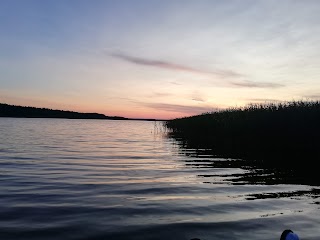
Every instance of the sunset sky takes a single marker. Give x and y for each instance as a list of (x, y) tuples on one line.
[(158, 58)]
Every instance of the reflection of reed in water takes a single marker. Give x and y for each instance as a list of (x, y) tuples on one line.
[(252, 172), (228, 171)]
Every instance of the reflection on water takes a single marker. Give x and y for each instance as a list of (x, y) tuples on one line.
[(259, 171), (93, 179), (242, 172)]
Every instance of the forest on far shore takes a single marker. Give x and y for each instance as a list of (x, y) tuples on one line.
[(7, 110)]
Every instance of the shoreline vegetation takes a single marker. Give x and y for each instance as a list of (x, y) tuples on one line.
[(15, 111), (272, 135)]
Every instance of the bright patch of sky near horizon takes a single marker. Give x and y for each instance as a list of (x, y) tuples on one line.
[(158, 59)]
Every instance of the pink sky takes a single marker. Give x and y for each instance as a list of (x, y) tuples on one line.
[(163, 60)]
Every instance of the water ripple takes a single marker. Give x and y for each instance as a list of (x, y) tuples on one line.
[(89, 179)]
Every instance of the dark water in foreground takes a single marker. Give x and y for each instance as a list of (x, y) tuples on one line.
[(95, 179)]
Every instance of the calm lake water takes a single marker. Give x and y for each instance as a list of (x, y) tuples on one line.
[(104, 179)]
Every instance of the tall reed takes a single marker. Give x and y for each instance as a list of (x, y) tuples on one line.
[(276, 134)]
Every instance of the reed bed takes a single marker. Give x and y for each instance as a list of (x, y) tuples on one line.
[(273, 134)]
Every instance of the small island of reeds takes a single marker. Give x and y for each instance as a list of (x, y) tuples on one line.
[(284, 135)]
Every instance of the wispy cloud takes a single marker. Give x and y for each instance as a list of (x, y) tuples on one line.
[(159, 95), (198, 97), (224, 74), (263, 100), (250, 84), (313, 96), (185, 109), (176, 83), (173, 66)]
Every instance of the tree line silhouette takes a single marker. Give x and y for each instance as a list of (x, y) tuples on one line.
[(7, 110)]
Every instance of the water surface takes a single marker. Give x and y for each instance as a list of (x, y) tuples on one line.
[(105, 179)]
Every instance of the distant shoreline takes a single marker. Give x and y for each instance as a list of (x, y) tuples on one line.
[(15, 111)]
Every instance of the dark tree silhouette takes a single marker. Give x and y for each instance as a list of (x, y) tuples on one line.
[(7, 110)]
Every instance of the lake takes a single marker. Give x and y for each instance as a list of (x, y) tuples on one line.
[(105, 179)]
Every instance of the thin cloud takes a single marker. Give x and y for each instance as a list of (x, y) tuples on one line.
[(313, 97), (175, 83), (160, 94), (185, 109), (264, 100), (173, 66), (198, 97), (178, 67), (250, 84)]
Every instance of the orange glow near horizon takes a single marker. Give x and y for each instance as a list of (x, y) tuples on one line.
[(141, 113), (132, 113)]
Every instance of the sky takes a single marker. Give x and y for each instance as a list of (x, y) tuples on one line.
[(158, 58)]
